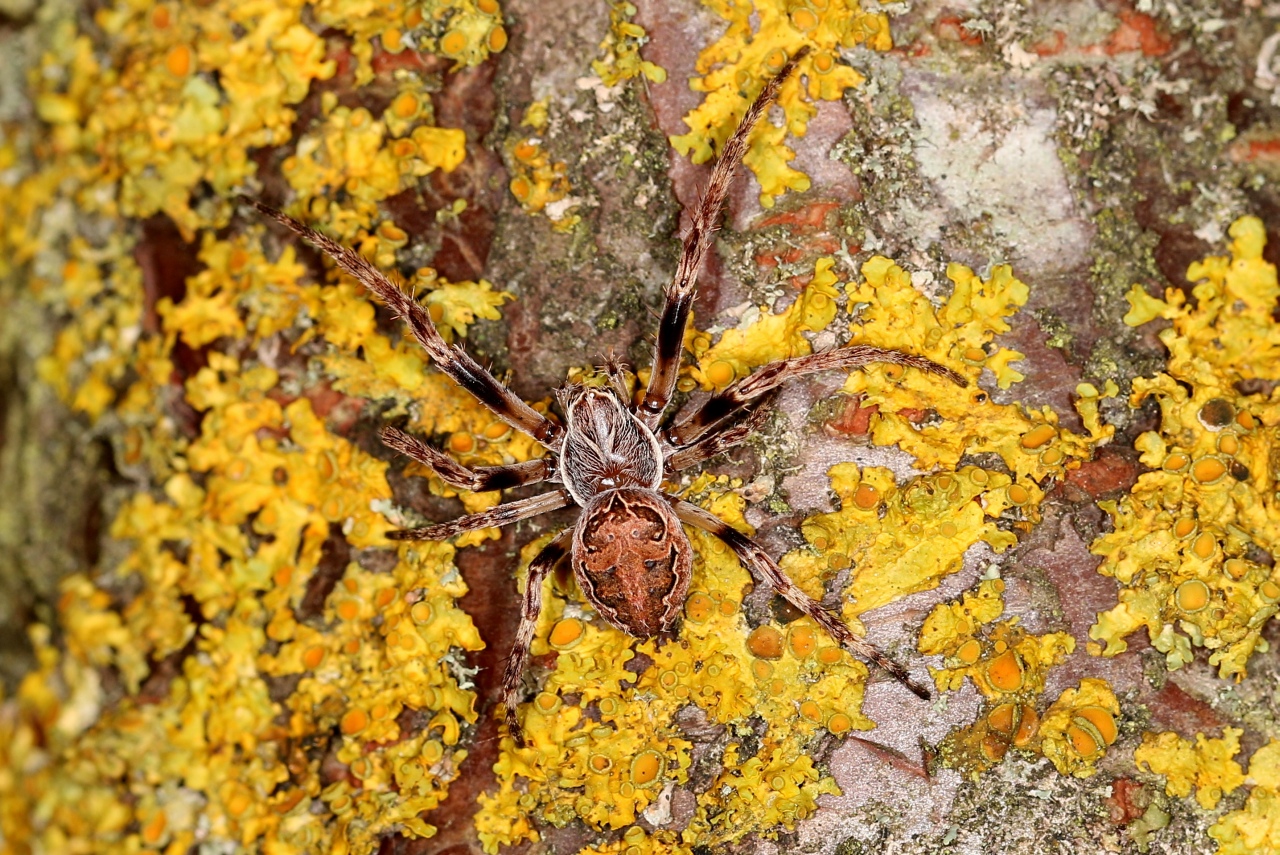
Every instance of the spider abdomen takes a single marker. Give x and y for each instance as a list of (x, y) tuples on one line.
[(632, 560)]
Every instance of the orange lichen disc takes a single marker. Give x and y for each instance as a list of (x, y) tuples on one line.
[(698, 607), (1102, 720), (354, 721), (839, 723), (1207, 470), (566, 633), (1005, 672), (765, 642), (1192, 595), (646, 767), (802, 640), (1038, 436), (866, 497), (969, 652), (720, 373)]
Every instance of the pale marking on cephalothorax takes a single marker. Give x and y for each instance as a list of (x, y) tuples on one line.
[(606, 446)]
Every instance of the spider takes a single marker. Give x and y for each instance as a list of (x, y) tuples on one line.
[(628, 550)]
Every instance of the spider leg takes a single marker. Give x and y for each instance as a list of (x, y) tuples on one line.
[(521, 509), (452, 360), (680, 293), (733, 399), (529, 609), (762, 566), (714, 442), (455, 474)]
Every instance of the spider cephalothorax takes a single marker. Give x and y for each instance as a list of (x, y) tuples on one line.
[(628, 550)]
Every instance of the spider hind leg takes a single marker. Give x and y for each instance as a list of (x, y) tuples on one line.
[(530, 607), (758, 562)]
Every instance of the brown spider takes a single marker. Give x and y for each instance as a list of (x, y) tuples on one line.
[(629, 554)]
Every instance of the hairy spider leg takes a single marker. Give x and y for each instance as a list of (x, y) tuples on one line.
[(451, 360), (530, 607), (680, 293), (504, 514), (456, 475), (729, 403), (714, 442), (758, 562)]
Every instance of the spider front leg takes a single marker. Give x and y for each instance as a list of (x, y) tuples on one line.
[(456, 475), (451, 360), (521, 509), (730, 402), (713, 443), (681, 291), (758, 562), (530, 607)]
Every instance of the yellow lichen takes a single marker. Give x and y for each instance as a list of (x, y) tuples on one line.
[(1186, 539), (1079, 726), (1006, 664), (1255, 827), (895, 538), (892, 313), (635, 841), (608, 767), (465, 31), (764, 337), (538, 183), (898, 540), (256, 711), (239, 672), (621, 48), (760, 37), (349, 152), (1009, 666), (1204, 765)]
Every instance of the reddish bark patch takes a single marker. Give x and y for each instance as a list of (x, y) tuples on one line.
[(1127, 802), (385, 63), (325, 400), (811, 248), (1051, 45), (951, 28), (1110, 471), (1174, 709), (1137, 32), (166, 261), (853, 418), (812, 236), (811, 216), (1263, 150), (493, 604)]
